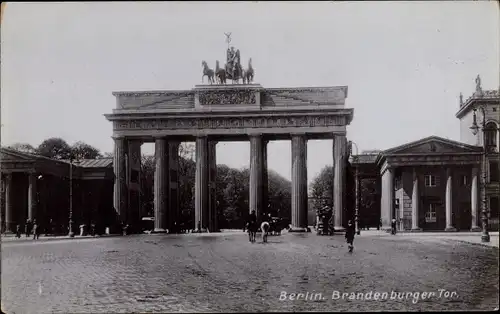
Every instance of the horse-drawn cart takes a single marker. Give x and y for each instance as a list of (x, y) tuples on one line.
[(324, 218)]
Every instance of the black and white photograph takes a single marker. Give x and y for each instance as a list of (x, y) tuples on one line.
[(247, 157)]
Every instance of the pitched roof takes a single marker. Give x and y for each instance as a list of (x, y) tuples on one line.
[(25, 155), (364, 158), (93, 163), (432, 140), (85, 163)]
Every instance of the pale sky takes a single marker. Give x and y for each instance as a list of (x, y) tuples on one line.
[(404, 63)]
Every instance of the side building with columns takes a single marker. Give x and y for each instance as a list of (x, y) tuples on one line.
[(440, 184), (36, 187)]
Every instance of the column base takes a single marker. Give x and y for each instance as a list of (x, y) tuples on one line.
[(299, 229), (475, 229), (450, 229), (416, 229), (338, 229), (485, 238), (386, 228), (159, 230), (200, 231)]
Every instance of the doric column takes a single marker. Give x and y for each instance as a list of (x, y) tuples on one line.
[(120, 187), (212, 178), (474, 200), (201, 184), (299, 182), (9, 214), (173, 185), (338, 180), (161, 185), (265, 177), (415, 201), (256, 164), (449, 201), (387, 198), (2, 197), (32, 201), (134, 181)]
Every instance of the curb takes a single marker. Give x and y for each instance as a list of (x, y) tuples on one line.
[(474, 243), (45, 239)]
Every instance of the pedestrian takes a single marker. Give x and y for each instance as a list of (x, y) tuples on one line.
[(393, 226), (252, 226), (27, 228), (36, 231), (18, 231), (349, 235)]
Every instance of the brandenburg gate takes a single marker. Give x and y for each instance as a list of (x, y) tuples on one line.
[(211, 113)]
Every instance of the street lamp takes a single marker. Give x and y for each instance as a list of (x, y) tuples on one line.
[(485, 237), (356, 192), (71, 161)]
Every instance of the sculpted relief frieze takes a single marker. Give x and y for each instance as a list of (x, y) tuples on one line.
[(227, 97), (229, 122)]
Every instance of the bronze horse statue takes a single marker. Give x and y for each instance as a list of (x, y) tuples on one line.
[(220, 74), (248, 74), (207, 72)]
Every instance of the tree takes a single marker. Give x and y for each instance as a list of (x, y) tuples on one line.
[(24, 148), (55, 147), (147, 183), (279, 195), (321, 190), (82, 150)]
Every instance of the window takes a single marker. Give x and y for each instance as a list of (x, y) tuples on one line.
[(490, 136), (464, 180), (430, 180), (494, 171), (494, 207), (430, 214)]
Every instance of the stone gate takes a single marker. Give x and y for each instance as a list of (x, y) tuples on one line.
[(208, 114)]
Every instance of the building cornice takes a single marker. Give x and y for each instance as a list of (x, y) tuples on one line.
[(489, 96)]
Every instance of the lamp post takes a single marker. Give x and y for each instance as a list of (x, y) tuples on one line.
[(485, 237), (356, 191), (71, 234)]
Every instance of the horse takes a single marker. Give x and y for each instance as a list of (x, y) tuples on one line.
[(248, 74), (207, 72), (252, 230), (220, 74), (265, 229)]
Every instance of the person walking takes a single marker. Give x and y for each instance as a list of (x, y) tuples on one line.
[(349, 235), (18, 231), (252, 226), (393, 226), (36, 230), (27, 228)]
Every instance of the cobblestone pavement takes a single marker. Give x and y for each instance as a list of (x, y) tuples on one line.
[(226, 273)]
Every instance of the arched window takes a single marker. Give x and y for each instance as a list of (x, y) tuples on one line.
[(490, 136)]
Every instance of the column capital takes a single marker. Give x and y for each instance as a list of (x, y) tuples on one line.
[(475, 171), (118, 137), (160, 138), (254, 134), (449, 172)]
